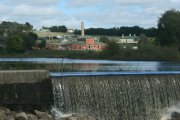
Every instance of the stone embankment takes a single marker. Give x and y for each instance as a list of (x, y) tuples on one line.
[(6, 114), (26, 90)]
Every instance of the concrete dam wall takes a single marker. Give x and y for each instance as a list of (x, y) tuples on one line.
[(124, 97), (107, 97), (26, 90)]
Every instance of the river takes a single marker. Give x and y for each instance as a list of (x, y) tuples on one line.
[(96, 67), (109, 90)]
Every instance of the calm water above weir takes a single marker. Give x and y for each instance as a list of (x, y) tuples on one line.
[(85, 67), (75, 65)]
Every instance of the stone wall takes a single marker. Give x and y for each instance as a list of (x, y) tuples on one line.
[(26, 90), (23, 76)]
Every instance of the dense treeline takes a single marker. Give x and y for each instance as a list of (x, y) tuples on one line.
[(169, 29), (15, 37), (62, 28), (116, 31)]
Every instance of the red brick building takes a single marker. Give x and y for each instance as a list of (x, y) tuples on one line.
[(84, 44)]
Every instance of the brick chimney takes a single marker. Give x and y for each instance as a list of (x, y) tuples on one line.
[(82, 29)]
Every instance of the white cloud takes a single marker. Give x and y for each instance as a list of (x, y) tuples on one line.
[(33, 2), (130, 2), (175, 0), (68, 21), (99, 13), (26, 10), (85, 3), (4, 9)]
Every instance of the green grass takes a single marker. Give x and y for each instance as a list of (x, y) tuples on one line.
[(54, 54), (50, 34), (53, 67), (151, 53)]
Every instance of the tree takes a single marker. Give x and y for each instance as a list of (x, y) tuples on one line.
[(169, 29), (58, 28), (119, 31), (62, 28), (15, 44), (42, 44), (112, 48), (77, 32), (13, 28), (104, 39), (53, 29), (30, 40), (143, 40), (29, 26)]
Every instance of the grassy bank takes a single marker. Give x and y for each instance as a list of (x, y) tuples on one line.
[(54, 54), (147, 53), (53, 67)]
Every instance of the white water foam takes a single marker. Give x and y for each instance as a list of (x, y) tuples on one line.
[(167, 112), (58, 114)]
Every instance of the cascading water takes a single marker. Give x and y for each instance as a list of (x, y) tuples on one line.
[(128, 97)]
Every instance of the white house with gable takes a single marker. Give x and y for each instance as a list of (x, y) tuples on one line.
[(131, 41)]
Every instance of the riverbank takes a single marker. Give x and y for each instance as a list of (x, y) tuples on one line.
[(142, 54), (7, 114), (53, 54)]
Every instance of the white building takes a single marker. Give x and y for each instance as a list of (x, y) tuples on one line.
[(131, 41), (70, 30)]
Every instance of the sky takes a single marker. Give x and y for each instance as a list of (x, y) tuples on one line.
[(94, 13)]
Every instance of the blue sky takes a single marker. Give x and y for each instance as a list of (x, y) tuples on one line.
[(95, 13)]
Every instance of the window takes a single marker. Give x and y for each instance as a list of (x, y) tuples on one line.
[(89, 47)]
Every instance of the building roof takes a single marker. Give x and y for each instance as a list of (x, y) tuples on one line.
[(50, 34), (130, 37), (75, 43), (81, 43), (54, 43), (129, 41)]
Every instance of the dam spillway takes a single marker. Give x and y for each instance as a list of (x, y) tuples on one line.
[(117, 97), (126, 96)]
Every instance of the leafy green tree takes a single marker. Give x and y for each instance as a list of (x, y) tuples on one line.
[(15, 44), (104, 39), (112, 48), (42, 44), (58, 28), (143, 40), (29, 26), (30, 40), (119, 31), (77, 32), (62, 28), (169, 29), (13, 28), (53, 29)]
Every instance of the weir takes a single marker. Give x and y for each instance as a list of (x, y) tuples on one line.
[(117, 97), (139, 96)]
